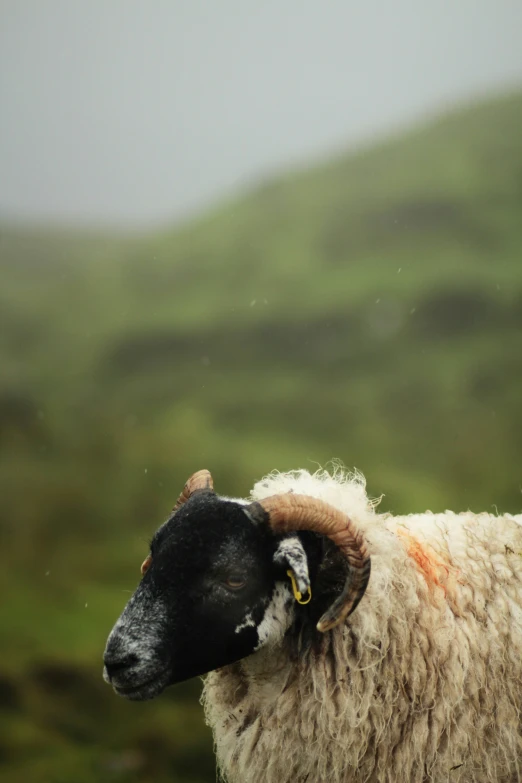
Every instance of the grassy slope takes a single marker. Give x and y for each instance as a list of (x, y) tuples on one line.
[(370, 310)]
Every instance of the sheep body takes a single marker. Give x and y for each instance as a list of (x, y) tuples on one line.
[(423, 682)]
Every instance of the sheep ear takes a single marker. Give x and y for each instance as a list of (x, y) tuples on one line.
[(290, 551)]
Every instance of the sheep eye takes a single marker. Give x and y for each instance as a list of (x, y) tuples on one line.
[(146, 565), (234, 582)]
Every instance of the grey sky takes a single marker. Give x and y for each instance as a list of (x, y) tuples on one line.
[(142, 111)]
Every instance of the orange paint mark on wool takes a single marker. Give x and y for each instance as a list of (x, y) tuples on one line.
[(427, 562)]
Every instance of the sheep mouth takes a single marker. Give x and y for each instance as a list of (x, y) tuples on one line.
[(144, 691)]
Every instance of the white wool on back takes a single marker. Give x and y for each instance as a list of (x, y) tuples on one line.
[(422, 683)]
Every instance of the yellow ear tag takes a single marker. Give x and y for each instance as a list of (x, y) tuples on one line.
[(297, 595)]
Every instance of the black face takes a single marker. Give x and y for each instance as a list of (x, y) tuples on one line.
[(202, 602)]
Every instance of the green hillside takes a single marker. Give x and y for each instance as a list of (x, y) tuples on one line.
[(367, 310)]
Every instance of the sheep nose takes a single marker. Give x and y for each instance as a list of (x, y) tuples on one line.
[(115, 664)]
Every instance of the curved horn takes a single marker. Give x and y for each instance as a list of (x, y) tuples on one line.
[(200, 480), (300, 512)]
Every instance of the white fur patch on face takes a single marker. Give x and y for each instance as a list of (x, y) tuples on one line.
[(247, 623), (291, 551), (278, 617)]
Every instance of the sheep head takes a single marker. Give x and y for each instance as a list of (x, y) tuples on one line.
[(225, 578)]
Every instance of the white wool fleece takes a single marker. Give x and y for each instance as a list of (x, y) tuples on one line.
[(422, 683)]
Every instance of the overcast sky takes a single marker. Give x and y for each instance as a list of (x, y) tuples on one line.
[(137, 112)]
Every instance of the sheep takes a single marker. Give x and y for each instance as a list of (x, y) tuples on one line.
[(341, 644)]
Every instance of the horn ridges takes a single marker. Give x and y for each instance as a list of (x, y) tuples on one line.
[(286, 513), (198, 481)]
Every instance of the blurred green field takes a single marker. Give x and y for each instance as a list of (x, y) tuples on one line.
[(368, 310)]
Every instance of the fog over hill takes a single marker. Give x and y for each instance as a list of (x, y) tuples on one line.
[(135, 113)]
